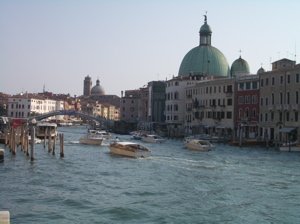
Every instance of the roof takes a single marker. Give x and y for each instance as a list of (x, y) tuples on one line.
[(239, 66), (204, 59)]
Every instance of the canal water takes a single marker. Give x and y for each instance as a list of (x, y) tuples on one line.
[(174, 185)]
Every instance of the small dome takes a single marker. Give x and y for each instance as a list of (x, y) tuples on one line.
[(205, 29), (239, 67), (97, 89), (261, 70)]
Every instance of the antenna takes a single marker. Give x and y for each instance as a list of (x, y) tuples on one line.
[(44, 88), (240, 53), (295, 52)]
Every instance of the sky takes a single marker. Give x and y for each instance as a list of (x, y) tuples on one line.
[(54, 44)]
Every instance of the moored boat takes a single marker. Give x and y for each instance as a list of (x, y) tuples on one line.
[(129, 149), (199, 145), (44, 129)]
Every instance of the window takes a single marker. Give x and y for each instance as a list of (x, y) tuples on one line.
[(229, 89), (267, 81), (267, 101), (288, 79), (281, 79), (272, 98), (248, 85), (288, 97), (254, 85), (273, 81), (247, 112), (254, 99), (229, 102), (297, 78), (229, 114), (296, 116), (272, 116), (287, 116), (281, 98), (261, 82), (254, 112), (241, 99), (297, 97), (266, 117), (240, 113), (280, 116), (247, 99), (241, 86)]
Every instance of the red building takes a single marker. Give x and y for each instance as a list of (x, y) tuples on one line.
[(247, 106)]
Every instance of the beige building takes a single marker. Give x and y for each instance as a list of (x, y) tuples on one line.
[(279, 101), (210, 107)]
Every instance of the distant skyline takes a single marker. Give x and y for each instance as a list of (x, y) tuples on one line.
[(127, 44)]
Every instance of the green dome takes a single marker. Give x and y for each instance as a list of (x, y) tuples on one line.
[(239, 66), (206, 60), (205, 29)]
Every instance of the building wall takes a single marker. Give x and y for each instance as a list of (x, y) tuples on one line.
[(210, 106), (279, 100), (247, 106)]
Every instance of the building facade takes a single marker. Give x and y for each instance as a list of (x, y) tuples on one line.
[(24, 106), (279, 102)]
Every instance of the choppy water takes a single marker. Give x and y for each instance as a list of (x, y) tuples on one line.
[(174, 185)]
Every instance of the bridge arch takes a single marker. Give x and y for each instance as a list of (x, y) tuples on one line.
[(66, 112)]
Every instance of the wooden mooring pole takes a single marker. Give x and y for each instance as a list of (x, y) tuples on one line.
[(61, 143), (32, 143)]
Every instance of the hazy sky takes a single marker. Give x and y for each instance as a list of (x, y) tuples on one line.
[(127, 43)]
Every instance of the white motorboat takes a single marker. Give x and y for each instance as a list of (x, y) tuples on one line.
[(101, 133), (43, 129), (199, 145), (153, 139), (92, 138), (129, 149)]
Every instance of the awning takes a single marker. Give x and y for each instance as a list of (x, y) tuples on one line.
[(286, 130)]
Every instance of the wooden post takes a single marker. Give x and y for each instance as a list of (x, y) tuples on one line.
[(53, 145), (22, 138), (27, 144), (1, 155), (45, 134), (61, 141), (32, 143), (14, 143), (49, 141)]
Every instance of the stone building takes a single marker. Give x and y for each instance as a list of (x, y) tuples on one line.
[(279, 101)]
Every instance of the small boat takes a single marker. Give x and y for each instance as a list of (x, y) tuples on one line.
[(43, 129), (199, 145), (290, 147), (129, 149), (91, 140), (153, 139), (101, 133)]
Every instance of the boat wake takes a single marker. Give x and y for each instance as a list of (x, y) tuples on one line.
[(187, 164)]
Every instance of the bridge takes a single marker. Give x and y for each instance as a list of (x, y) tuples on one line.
[(67, 112)]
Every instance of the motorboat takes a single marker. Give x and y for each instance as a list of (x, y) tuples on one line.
[(129, 149), (100, 133), (199, 145), (45, 129), (290, 147), (152, 139), (91, 140)]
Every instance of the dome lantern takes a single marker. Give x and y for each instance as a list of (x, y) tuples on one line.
[(205, 33)]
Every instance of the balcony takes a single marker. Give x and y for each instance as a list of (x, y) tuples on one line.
[(295, 107)]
